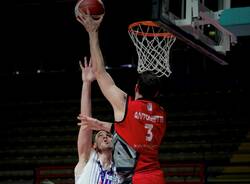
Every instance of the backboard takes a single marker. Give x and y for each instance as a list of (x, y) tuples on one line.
[(195, 24)]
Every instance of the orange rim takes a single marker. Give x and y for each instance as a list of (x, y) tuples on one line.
[(149, 24)]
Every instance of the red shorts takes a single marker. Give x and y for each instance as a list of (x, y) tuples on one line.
[(155, 177)]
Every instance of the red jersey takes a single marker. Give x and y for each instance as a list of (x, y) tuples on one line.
[(143, 128)]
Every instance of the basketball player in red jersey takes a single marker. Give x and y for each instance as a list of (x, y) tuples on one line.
[(140, 122)]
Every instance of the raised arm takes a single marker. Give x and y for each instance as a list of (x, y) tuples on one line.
[(114, 95), (84, 141)]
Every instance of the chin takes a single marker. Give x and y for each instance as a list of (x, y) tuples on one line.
[(107, 147)]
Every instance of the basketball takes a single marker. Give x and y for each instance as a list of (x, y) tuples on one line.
[(95, 7)]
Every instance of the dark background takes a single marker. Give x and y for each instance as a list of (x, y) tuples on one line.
[(41, 86), (43, 43)]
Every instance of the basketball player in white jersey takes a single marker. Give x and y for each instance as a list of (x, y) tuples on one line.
[(95, 164)]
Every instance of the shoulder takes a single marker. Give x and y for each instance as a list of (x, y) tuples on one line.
[(82, 164)]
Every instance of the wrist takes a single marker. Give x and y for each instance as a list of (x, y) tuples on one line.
[(87, 82), (93, 35)]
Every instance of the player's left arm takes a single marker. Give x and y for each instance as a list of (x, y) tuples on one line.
[(84, 141), (88, 122)]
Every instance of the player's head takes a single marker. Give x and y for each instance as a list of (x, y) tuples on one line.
[(148, 85), (103, 141)]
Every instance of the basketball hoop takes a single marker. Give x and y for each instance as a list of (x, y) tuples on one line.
[(152, 44)]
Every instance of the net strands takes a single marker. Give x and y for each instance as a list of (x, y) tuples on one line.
[(152, 46)]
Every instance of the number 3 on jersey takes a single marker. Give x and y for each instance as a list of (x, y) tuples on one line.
[(149, 135)]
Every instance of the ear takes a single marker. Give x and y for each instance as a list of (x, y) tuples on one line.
[(94, 146)]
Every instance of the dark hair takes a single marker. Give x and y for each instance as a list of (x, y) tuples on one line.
[(149, 85)]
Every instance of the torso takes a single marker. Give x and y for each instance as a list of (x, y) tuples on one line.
[(142, 129), (94, 174)]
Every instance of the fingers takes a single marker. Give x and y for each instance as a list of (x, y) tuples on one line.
[(85, 62), (100, 1), (78, 13), (85, 18), (84, 117), (82, 125), (80, 63), (99, 20), (82, 16), (90, 62), (85, 126), (88, 12), (87, 118), (81, 118)]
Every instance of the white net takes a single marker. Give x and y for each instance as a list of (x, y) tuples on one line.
[(152, 46)]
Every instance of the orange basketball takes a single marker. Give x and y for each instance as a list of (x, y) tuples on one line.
[(95, 7)]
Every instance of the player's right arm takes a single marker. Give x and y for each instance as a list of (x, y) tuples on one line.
[(114, 95)]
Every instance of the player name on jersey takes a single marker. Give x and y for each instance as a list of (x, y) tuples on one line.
[(147, 117)]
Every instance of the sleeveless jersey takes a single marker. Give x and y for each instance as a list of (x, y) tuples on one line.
[(139, 136), (94, 174)]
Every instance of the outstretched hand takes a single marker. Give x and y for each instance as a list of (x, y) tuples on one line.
[(88, 122), (90, 22), (93, 124), (87, 72)]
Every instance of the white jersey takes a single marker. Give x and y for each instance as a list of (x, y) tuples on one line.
[(94, 174)]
